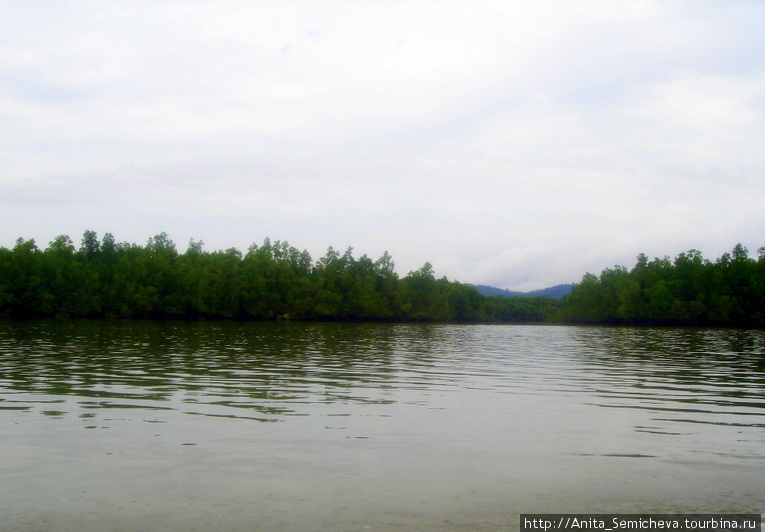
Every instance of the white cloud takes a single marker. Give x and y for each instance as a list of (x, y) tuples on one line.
[(510, 143)]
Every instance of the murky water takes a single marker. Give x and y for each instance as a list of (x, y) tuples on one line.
[(125, 426)]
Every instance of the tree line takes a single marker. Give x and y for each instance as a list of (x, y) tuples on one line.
[(275, 281), (687, 291), (271, 281)]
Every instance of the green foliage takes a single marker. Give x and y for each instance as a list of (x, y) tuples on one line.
[(272, 281), (687, 291), (275, 281)]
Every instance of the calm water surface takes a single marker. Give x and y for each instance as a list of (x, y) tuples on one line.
[(352, 427)]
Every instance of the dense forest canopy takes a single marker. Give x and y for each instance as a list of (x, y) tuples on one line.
[(270, 281), (687, 291), (273, 280)]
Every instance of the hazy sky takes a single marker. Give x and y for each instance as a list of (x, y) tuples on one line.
[(513, 143)]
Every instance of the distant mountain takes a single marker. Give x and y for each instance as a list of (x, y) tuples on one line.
[(555, 292)]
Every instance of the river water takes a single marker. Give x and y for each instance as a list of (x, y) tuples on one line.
[(167, 426)]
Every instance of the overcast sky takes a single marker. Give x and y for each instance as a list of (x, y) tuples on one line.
[(518, 144)]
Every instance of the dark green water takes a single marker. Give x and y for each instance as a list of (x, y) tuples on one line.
[(133, 426)]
